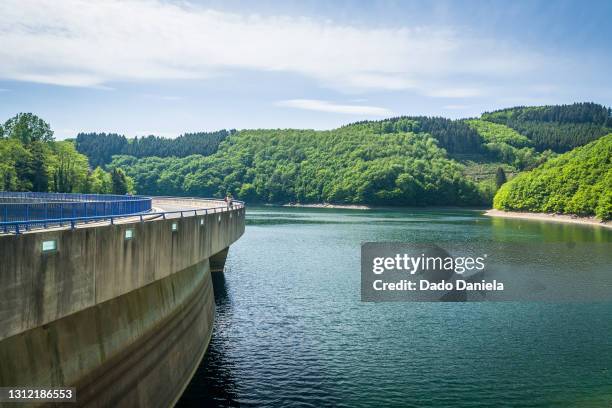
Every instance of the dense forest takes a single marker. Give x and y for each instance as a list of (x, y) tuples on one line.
[(455, 136), (101, 147), (560, 127), (576, 182), (31, 160), (356, 163), (408, 160), (343, 166)]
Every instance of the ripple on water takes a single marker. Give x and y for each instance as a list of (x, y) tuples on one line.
[(290, 329)]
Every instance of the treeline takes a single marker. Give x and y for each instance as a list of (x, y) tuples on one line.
[(560, 127), (455, 136), (400, 161), (507, 146), (346, 165), (31, 160), (100, 147), (576, 182)]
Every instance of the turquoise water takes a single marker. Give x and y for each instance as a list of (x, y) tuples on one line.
[(291, 330)]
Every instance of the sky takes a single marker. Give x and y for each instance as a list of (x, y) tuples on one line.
[(170, 67)]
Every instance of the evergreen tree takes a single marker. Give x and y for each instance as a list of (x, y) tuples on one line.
[(500, 177), (101, 147), (557, 127), (119, 182)]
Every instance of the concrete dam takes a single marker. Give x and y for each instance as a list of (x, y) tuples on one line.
[(110, 295)]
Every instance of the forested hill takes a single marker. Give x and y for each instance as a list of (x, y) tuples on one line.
[(576, 182), (560, 127), (455, 136), (557, 127), (411, 160), (341, 166), (100, 147)]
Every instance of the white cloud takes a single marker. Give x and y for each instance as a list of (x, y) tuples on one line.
[(96, 42), (163, 97), (326, 106), (457, 107), (455, 92)]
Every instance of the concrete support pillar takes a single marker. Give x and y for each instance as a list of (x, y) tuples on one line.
[(217, 261)]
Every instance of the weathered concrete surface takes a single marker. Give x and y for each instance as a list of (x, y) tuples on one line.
[(125, 321), (217, 261)]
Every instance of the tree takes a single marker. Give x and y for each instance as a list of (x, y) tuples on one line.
[(100, 182), (27, 128), (576, 182), (500, 177), (30, 160), (247, 192), (119, 182), (101, 147), (39, 176), (11, 153), (69, 168)]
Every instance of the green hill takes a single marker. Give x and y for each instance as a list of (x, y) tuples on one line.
[(576, 182), (346, 165), (408, 160), (556, 127)]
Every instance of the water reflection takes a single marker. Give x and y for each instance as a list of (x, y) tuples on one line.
[(213, 384)]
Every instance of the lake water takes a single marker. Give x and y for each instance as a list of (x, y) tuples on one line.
[(291, 329)]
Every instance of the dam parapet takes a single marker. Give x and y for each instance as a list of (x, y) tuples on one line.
[(81, 300)]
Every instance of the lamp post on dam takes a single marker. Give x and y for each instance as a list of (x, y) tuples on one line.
[(109, 295)]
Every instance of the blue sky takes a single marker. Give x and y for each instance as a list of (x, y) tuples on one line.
[(165, 67)]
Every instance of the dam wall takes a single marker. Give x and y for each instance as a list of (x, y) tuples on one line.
[(122, 312)]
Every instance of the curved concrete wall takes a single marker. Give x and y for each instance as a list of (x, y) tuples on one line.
[(124, 321)]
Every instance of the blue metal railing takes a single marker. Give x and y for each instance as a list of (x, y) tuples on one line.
[(19, 226), (17, 196), (23, 211)]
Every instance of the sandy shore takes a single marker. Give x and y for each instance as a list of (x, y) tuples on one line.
[(327, 205), (571, 219)]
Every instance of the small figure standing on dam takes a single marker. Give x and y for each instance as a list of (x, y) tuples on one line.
[(108, 296), (229, 200)]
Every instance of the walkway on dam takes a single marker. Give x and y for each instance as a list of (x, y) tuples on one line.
[(161, 207)]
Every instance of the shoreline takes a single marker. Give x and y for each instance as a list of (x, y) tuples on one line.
[(371, 207), (327, 205), (568, 219)]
